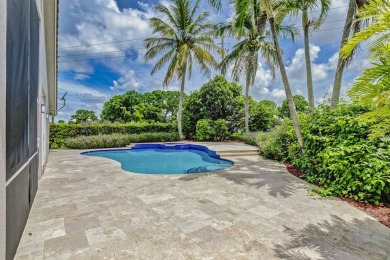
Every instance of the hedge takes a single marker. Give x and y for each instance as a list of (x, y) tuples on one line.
[(117, 140), (60, 132)]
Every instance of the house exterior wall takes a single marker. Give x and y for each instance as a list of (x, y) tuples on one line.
[(3, 23), (28, 86)]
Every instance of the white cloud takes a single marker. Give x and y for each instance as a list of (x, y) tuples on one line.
[(278, 93), (80, 76), (127, 82)]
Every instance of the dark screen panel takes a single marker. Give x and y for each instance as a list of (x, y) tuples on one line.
[(34, 74), (17, 56)]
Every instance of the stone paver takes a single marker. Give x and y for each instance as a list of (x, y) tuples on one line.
[(88, 208)]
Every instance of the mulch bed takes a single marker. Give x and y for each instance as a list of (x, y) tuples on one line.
[(380, 212)]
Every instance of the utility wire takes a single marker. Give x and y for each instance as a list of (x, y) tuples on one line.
[(63, 61), (130, 49), (67, 47), (137, 54), (138, 39)]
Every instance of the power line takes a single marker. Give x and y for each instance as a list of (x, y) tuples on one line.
[(138, 39), (96, 58), (136, 54), (67, 47), (329, 29)]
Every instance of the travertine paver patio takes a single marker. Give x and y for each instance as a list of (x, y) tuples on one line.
[(88, 208)]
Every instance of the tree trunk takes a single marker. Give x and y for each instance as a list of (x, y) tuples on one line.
[(287, 88), (180, 110), (247, 105), (305, 25), (341, 63)]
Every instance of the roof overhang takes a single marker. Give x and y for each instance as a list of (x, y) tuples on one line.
[(51, 22)]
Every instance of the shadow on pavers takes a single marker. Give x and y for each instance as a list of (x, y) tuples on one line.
[(337, 239), (268, 174)]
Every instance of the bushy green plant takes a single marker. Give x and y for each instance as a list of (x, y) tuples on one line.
[(204, 130), (209, 130), (217, 99), (250, 138), (277, 143), (221, 129), (60, 132), (339, 156), (117, 140)]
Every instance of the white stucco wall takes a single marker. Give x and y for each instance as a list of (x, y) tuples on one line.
[(43, 96), (3, 24)]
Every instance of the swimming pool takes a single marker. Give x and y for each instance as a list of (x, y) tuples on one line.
[(165, 158)]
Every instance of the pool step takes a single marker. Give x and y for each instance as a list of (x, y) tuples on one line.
[(239, 153), (224, 153)]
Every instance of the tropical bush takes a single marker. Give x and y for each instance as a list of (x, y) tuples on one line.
[(209, 130), (277, 143), (117, 140), (60, 132), (217, 99), (250, 138), (337, 155)]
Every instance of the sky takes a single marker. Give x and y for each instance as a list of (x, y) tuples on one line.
[(101, 54)]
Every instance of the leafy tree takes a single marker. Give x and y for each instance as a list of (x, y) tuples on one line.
[(121, 108), (351, 26), (185, 39), (154, 106), (294, 7), (250, 26), (61, 121), (83, 116), (216, 99), (301, 105), (263, 115), (373, 86)]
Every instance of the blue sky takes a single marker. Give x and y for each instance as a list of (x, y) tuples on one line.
[(101, 54)]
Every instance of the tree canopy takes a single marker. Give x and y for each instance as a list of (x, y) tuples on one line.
[(83, 116), (154, 106)]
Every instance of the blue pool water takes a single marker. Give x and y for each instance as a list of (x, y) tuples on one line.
[(165, 159)]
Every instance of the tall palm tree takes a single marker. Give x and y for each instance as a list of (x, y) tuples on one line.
[(351, 26), (251, 28), (184, 38), (373, 85), (273, 15), (293, 7)]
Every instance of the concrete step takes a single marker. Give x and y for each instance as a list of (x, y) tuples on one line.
[(239, 153)]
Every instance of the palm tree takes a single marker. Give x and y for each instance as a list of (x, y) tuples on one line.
[(273, 15), (293, 7), (184, 39), (373, 85), (351, 27), (250, 27)]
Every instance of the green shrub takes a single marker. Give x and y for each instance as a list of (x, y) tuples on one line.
[(277, 143), (117, 140), (209, 130), (250, 138), (338, 155), (60, 132), (204, 130), (221, 129)]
